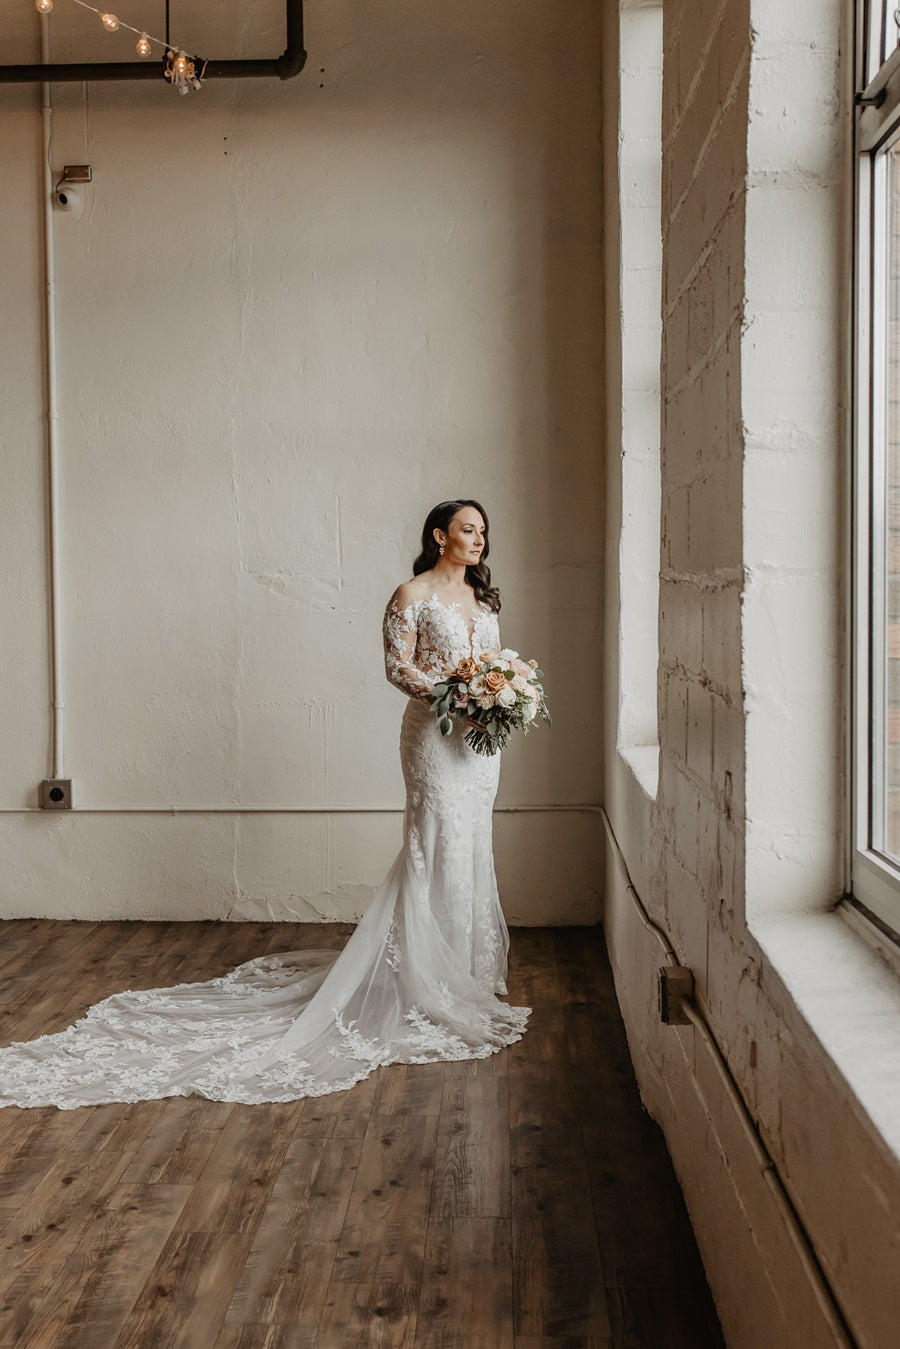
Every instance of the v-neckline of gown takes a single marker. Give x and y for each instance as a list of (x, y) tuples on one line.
[(457, 605)]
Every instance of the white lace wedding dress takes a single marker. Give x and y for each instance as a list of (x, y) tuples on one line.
[(416, 982)]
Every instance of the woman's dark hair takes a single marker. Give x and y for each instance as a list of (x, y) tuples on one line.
[(478, 577)]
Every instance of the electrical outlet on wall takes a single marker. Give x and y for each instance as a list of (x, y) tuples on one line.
[(56, 794)]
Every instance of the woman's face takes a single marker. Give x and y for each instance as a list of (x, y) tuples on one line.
[(464, 539)]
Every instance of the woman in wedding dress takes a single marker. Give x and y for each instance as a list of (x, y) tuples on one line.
[(417, 981)]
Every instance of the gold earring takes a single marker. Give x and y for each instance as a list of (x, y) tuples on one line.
[(441, 550)]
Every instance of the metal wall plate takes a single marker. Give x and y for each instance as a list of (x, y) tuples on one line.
[(675, 984), (56, 794)]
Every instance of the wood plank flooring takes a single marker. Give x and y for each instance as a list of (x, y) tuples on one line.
[(524, 1201)]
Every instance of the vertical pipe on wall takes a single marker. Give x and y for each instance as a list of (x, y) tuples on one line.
[(52, 413)]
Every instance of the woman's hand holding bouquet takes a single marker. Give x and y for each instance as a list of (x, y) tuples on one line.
[(496, 694)]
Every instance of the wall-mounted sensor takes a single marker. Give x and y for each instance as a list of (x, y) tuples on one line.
[(67, 198), (66, 195)]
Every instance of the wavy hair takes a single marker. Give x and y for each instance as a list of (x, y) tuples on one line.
[(479, 576)]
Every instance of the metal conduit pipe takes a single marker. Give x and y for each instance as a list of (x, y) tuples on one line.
[(54, 583), (822, 1290), (284, 810), (285, 67)]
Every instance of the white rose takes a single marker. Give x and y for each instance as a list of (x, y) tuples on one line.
[(477, 685), (507, 697), (528, 710), (507, 654)]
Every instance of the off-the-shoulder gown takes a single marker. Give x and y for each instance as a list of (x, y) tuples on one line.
[(417, 981)]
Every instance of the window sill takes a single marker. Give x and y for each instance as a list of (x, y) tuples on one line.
[(850, 998), (643, 760), (868, 926)]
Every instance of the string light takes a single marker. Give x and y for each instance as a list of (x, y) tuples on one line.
[(183, 71)]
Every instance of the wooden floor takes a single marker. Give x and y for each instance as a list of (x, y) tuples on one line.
[(524, 1200)]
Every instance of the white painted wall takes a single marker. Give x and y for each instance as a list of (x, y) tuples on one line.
[(739, 855), (292, 317)]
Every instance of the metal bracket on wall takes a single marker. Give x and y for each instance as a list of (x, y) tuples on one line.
[(286, 66)]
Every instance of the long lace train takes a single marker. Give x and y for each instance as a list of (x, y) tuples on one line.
[(417, 981)]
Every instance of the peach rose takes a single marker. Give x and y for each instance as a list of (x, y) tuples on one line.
[(494, 681), (486, 656), (466, 668)]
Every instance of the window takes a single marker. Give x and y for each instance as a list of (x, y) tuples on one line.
[(640, 264), (876, 757)]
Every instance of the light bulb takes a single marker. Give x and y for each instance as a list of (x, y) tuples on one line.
[(142, 46), (110, 22), (43, 6), (181, 65)]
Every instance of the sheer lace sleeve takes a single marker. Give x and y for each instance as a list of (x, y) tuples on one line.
[(400, 631)]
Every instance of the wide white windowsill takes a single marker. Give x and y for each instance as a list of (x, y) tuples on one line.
[(850, 998), (643, 760)]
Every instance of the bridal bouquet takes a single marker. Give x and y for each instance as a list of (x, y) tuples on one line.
[(499, 691)]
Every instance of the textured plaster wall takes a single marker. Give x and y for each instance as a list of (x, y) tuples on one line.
[(738, 855), (291, 318)]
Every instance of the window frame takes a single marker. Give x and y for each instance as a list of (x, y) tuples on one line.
[(874, 878)]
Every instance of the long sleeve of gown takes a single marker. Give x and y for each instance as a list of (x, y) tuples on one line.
[(400, 632)]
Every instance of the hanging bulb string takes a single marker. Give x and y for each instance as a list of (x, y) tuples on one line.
[(103, 16), (182, 70), (112, 23)]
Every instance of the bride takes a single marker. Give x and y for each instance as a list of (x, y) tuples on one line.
[(418, 979)]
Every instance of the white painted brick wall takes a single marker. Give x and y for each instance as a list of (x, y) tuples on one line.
[(748, 816)]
